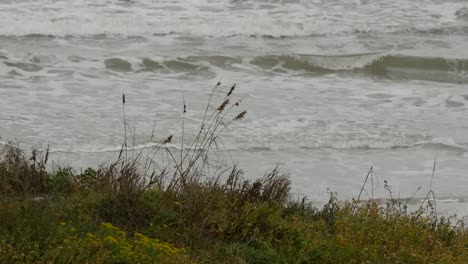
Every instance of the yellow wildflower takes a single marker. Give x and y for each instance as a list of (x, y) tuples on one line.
[(111, 239)]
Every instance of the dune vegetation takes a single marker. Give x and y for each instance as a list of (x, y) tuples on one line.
[(132, 210)]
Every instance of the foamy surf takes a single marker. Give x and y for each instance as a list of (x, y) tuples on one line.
[(365, 144), (225, 18)]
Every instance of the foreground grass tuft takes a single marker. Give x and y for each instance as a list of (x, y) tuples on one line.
[(105, 215)]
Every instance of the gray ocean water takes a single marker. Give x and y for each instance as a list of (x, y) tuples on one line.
[(332, 87)]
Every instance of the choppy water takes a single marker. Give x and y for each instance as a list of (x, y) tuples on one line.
[(331, 87)]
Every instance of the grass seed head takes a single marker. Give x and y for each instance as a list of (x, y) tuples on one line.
[(168, 140), (223, 105), (231, 90), (46, 158), (240, 116)]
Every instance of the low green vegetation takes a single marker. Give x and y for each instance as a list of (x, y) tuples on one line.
[(111, 215)]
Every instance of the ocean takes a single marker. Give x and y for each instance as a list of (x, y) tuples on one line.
[(331, 87)]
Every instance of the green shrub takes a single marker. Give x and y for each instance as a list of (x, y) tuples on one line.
[(61, 181)]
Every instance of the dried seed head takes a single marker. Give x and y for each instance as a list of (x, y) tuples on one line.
[(223, 105), (240, 116), (168, 140), (185, 109), (123, 98), (218, 84), (33, 155), (47, 155), (231, 90)]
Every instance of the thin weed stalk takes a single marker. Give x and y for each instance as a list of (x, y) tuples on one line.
[(431, 192), (124, 124), (184, 111), (369, 173)]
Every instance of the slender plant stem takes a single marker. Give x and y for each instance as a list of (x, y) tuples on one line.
[(364, 184), (183, 129), (124, 123)]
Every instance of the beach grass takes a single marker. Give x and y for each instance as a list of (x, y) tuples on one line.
[(96, 217), (131, 210)]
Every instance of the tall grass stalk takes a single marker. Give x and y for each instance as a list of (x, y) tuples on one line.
[(124, 124)]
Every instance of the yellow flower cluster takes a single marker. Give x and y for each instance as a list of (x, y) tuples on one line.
[(111, 228), (156, 245), (107, 244)]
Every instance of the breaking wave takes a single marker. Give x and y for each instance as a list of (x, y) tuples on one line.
[(377, 64), (371, 63), (437, 143)]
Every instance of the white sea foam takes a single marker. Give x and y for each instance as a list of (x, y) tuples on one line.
[(222, 18)]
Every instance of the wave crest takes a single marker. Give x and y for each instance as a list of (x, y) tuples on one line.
[(436, 143), (379, 64)]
